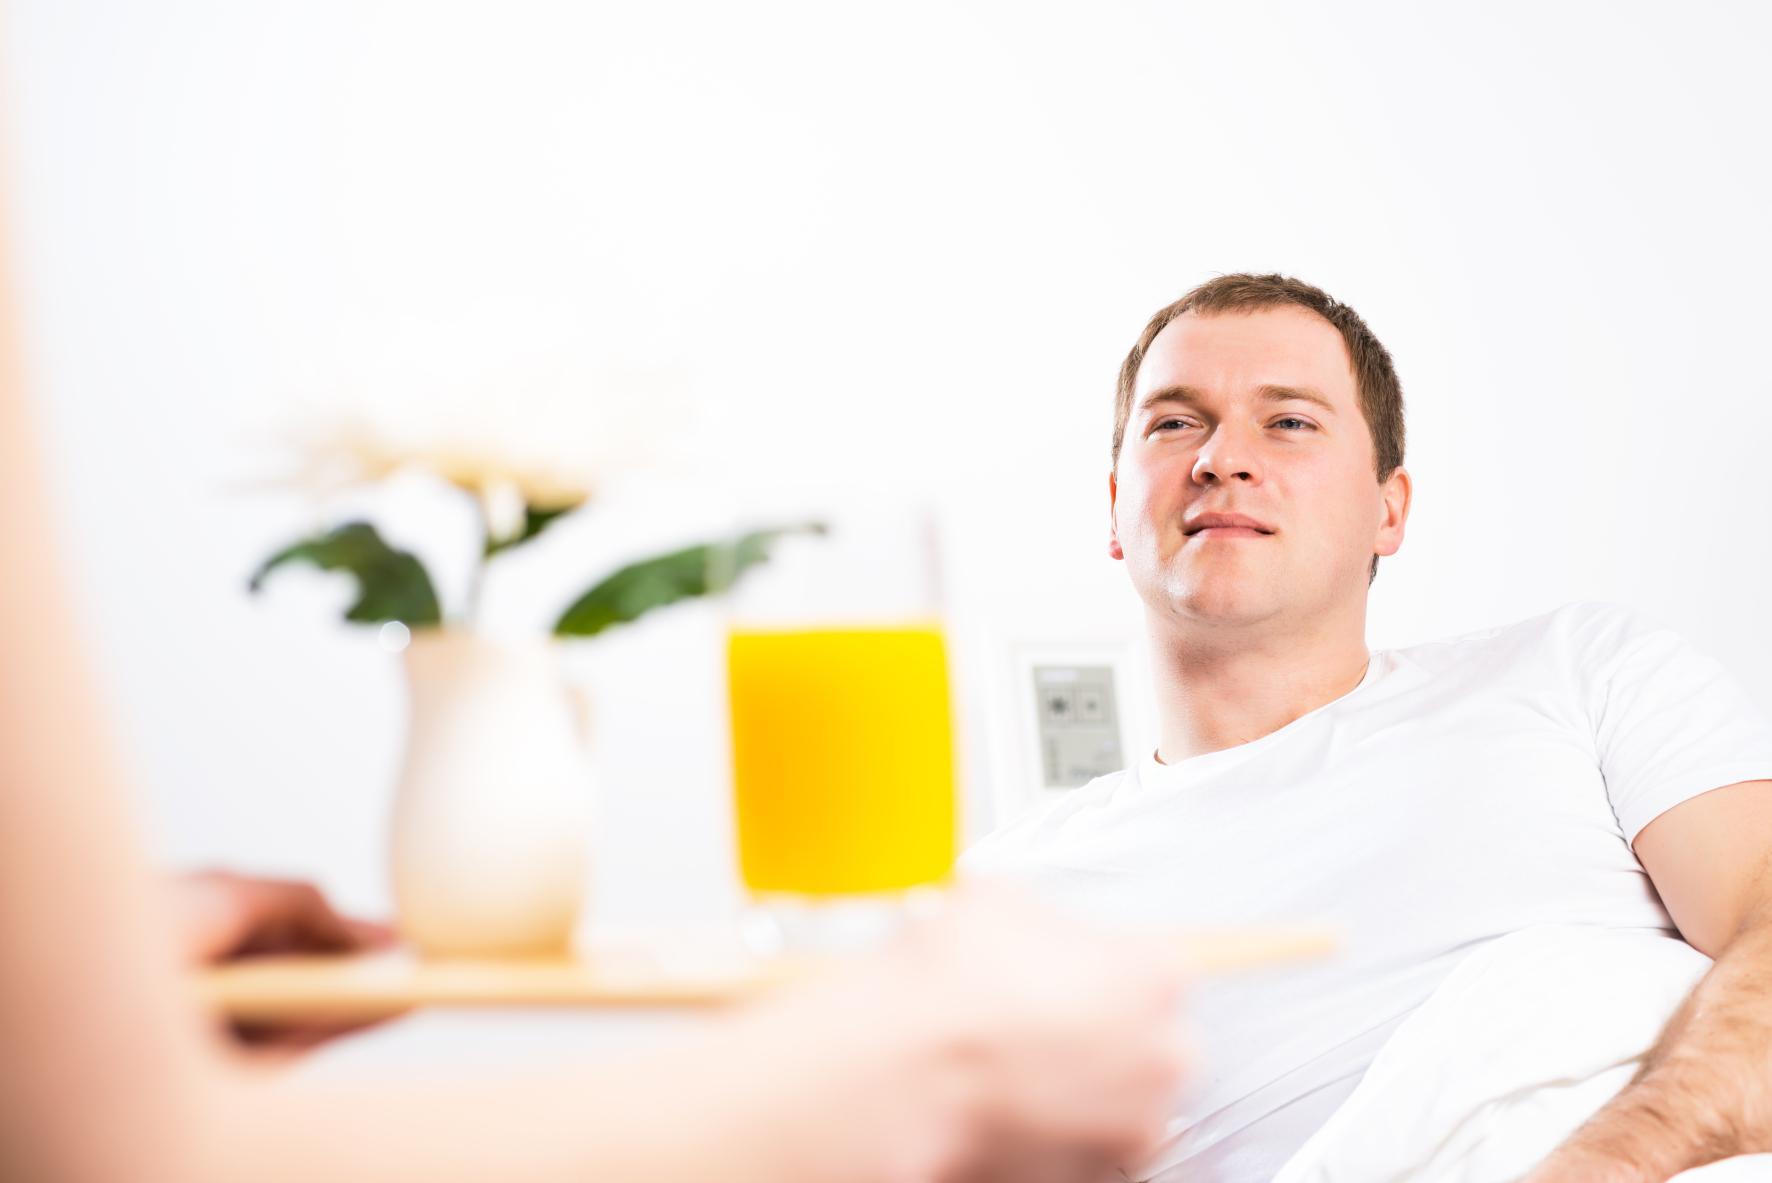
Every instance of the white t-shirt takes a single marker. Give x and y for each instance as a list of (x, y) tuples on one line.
[(1465, 789)]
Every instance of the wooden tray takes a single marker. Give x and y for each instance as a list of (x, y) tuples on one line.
[(272, 989)]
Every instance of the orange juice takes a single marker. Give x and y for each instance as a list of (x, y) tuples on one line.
[(842, 750)]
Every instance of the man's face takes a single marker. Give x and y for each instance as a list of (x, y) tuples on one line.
[(1254, 414)]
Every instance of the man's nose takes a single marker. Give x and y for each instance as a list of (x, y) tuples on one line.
[(1226, 455)]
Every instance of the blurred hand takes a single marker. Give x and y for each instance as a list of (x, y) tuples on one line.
[(221, 917), (1076, 1035), (1019, 1046)]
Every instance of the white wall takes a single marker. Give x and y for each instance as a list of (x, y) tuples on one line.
[(905, 242)]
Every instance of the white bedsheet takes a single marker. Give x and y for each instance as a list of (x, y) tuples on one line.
[(1515, 1049)]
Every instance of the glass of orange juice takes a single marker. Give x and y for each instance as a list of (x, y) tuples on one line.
[(842, 728)]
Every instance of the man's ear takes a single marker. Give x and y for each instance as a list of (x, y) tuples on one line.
[(1114, 551), (1398, 490)]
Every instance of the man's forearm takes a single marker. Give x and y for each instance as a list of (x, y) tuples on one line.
[(1704, 1091)]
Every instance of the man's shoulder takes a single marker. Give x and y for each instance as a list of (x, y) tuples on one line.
[(1575, 622), (1039, 818)]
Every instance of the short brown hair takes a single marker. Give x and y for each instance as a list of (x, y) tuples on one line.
[(1381, 394)]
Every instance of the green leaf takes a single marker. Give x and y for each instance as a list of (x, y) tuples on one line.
[(535, 520), (652, 583), (391, 584)]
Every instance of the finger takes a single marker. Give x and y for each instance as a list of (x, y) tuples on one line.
[(323, 927), (225, 915), (371, 934), (1043, 1162), (289, 916), (308, 921), (277, 1047), (295, 1038)]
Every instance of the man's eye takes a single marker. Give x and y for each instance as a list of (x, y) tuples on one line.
[(1161, 424)]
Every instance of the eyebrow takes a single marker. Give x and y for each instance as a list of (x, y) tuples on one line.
[(1269, 393)]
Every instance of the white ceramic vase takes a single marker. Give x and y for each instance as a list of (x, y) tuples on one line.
[(492, 813)]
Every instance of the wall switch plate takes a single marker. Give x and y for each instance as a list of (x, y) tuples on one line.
[(1077, 715), (1073, 718)]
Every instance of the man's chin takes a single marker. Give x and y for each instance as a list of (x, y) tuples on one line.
[(1217, 603)]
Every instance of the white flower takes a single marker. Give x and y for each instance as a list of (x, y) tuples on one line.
[(351, 453), (501, 396)]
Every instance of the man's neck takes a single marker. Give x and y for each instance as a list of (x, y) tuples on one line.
[(1217, 687)]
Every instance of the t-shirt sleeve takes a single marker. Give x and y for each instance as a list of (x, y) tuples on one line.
[(1669, 722), (999, 851), (1017, 843)]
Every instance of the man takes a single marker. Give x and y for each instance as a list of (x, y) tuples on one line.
[(1581, 767)]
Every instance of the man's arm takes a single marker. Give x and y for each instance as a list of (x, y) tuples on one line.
[(1704, 1091)]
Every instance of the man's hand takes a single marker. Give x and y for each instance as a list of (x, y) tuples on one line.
[(221, 917)]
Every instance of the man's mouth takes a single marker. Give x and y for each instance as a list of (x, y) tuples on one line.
[(1227, 532), (1227, 525)]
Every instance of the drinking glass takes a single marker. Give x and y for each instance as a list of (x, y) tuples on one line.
[(841, 726)]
